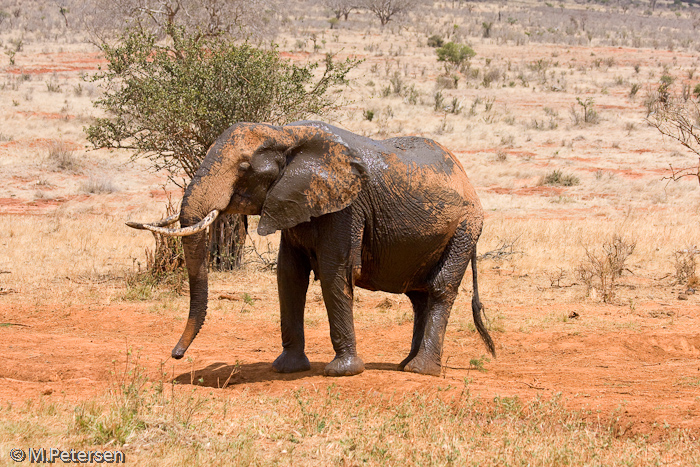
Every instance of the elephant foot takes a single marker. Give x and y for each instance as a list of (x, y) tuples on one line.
[(422, 366), (291, 362), (405, 361), (345, 366)]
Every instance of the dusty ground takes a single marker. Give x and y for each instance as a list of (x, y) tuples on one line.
[(642, 368)]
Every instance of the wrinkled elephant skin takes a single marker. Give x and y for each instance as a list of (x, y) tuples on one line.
[(397, 215)]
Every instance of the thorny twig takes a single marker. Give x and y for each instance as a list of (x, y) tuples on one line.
[(528, 385), (268, 264), (505, 248)]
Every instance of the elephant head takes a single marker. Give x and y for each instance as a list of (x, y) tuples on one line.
[(287, 175)]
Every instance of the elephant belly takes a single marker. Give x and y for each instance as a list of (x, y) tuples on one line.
[(404, 238), (400, 266)]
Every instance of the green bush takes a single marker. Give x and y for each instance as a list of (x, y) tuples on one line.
[(455, 54), (169, 103), (435, 41)]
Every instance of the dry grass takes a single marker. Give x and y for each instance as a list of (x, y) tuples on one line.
[(159, 423)]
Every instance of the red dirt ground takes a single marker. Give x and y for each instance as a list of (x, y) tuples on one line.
[(61, 62), (647, 376)]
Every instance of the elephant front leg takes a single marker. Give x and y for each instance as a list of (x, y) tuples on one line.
[(293, 271), (337, 291)]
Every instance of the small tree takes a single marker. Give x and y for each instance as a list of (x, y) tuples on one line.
[(588, 115), (340, 8), (454, 55), (387, 9), (678, 119), (168, 102), (486, 26), (235, 18)]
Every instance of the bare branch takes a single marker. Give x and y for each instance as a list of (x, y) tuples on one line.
[(678, 119), (385, 10)]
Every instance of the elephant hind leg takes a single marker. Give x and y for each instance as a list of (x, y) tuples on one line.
[(421, 303), (428, 358), (442, 292)]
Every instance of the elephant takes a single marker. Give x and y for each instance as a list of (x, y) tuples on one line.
[(397, 215)]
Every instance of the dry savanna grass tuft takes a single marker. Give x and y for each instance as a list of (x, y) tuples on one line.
[(62, 157), (587, 262)]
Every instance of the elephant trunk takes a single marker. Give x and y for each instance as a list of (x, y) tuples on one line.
[(195, 247), (207, 195)]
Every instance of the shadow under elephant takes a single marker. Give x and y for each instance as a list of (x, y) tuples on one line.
[(221, 375)]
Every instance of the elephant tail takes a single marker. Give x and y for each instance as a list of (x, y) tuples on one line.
[(477, 308)]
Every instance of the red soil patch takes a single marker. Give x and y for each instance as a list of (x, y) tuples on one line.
[(295, 56), (65, 62), (647, 377), (34, 207), (37, 143), (527, 191), (583, 159), (46, 115)]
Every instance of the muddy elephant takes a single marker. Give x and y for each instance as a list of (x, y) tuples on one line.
[(397, 215)]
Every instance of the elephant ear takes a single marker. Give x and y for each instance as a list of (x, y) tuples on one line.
[(322, 175)]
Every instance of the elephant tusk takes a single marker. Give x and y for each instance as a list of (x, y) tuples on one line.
[(185, 231), (161, 223)]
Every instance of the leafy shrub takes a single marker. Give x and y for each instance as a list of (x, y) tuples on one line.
[(455, 54), (169, 103), (435, 41), (588, 113)]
